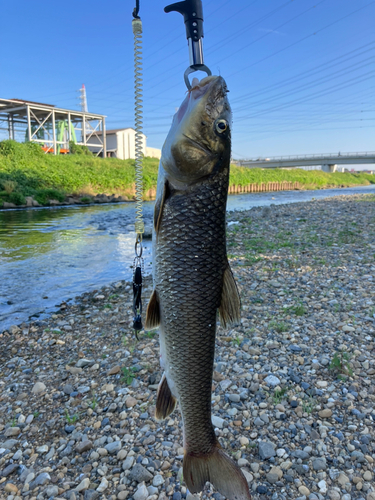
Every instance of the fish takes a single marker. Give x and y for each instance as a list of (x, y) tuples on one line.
[(192, 280)]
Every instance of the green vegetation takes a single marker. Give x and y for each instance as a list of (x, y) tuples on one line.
[(310, 179), (13, 422), (94, 401), (71, 419), (279, 394), (298, 309), (127, 375), (237, 341), (279, 326), (308, 406), (25, 170), (150, 335), (340, 364)]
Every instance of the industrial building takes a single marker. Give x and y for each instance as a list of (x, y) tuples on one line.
[(53, 128), (121, 144)]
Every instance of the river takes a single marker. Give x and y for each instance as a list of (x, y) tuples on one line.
[(49, 255)]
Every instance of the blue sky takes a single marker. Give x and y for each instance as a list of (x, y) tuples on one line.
[(301, 73)]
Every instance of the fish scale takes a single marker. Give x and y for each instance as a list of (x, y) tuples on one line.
[(200, 264)]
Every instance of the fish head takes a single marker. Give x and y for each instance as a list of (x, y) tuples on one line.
[(200, 136)]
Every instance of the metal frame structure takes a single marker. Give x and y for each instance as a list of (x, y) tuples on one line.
[(38, 124)]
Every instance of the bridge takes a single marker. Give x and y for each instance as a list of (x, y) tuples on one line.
[(327, 162)]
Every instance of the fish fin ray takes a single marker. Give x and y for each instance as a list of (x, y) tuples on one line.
[(218, 469), (165, 401), (159, 205), (230, 306), (153, 312)]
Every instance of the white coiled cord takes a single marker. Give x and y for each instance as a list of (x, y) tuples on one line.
[(138, 85)]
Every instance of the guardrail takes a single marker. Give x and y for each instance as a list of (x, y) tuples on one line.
[(310, 157)]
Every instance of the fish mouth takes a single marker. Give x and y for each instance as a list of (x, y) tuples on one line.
[(197, 144)]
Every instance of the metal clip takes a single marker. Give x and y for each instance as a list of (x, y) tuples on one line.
[(138, 267)]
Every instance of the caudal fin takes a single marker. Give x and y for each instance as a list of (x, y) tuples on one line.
[(218, 469)]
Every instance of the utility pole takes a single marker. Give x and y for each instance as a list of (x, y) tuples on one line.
[(83, 99)]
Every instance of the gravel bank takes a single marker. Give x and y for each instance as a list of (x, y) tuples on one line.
[(293, 391)]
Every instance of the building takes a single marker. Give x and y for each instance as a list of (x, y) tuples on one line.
[(121, 144), (51, 127)]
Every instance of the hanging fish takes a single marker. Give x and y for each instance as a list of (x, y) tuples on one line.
[(192, 277)]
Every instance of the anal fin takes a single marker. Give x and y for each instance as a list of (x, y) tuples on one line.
[(153, 312), (230, 306), (165, 401)]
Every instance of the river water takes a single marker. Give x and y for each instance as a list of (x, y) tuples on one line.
[(49, 255)]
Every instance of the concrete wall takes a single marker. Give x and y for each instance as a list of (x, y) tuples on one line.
[(153, 152), (126, 144)]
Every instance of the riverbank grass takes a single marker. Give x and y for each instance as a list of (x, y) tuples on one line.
[(25, 170)]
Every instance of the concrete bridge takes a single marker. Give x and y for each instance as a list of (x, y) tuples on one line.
[(327, 162)]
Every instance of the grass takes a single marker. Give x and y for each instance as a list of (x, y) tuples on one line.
[(237, 341), (298, 309), (279, 326), (309, 405), (94, 401), (13, 422), (340, 364), (279, 394), (310, 179), (251, 259), (71, 419), (150, 335), (25, 170), (127, 375)]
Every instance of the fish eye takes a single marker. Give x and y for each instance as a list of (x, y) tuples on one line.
[(221, 126)]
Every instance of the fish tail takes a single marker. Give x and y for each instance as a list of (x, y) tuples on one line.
[(217, 468)]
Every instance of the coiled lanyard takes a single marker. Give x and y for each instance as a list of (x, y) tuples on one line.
[(138, 265)]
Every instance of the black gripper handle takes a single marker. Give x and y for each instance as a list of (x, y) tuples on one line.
[(192, 11)]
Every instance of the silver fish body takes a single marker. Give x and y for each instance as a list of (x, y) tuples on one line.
[(192, 278)]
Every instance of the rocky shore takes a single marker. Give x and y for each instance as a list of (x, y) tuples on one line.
[(70, 200), (293, 391)]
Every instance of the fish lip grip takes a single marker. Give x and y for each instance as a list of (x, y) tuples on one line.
[(192, 11)]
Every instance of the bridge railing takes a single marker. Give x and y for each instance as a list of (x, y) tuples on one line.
[(310, 157)]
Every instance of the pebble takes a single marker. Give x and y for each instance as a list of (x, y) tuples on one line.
[(38, 388), (297, 427), (102, 486), (83, 485), (272, 381), (139, 474), (266, 450), (141, 493)]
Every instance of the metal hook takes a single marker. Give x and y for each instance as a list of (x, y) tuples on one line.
[(192, 69)]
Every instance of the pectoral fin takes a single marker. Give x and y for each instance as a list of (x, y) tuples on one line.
[(230, 306), (165, 401), (153, 312), (159, 205)]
